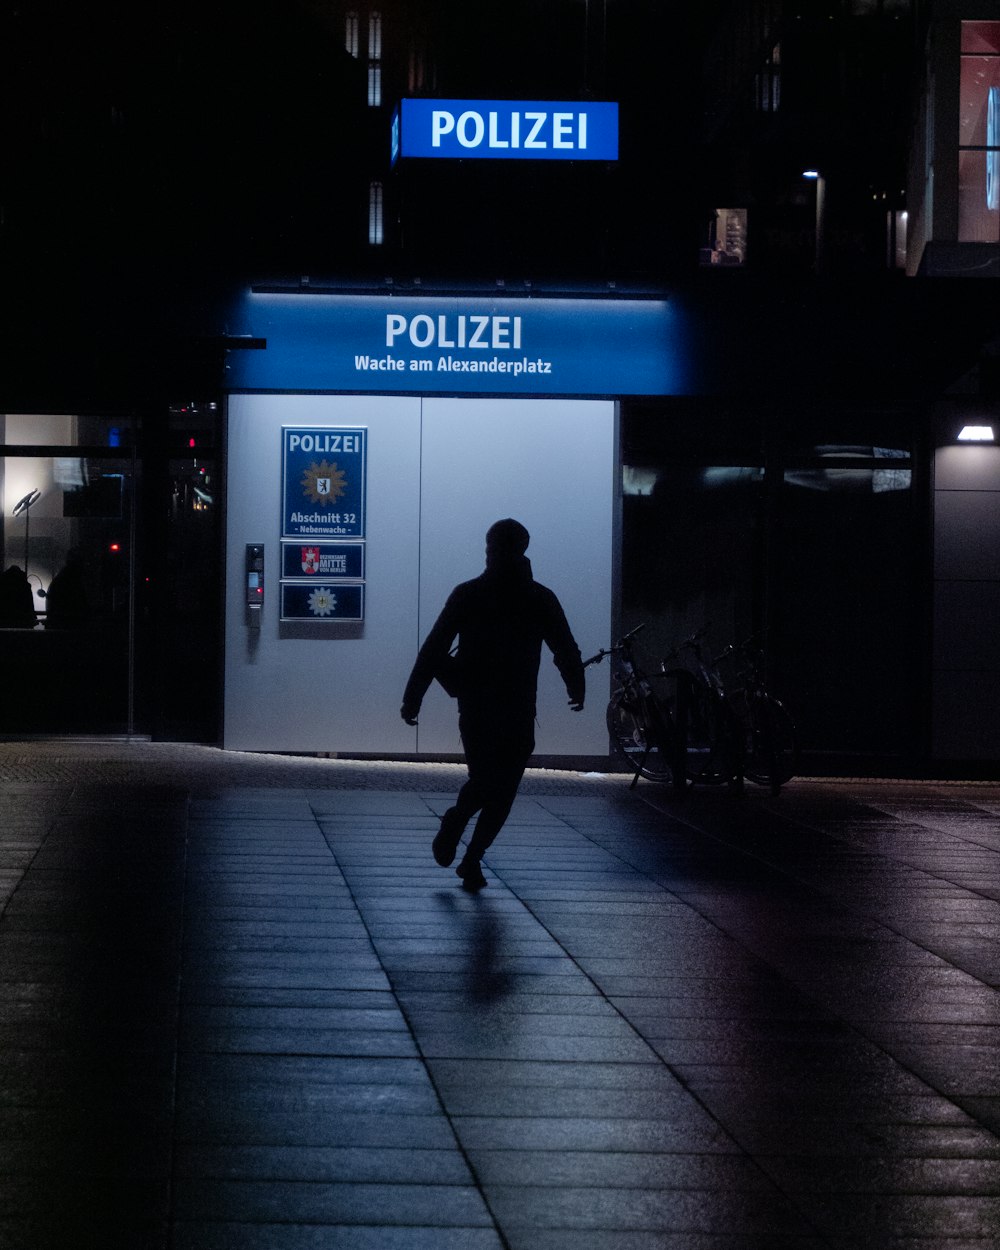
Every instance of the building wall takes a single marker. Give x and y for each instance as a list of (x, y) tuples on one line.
[(966, 653), (440, 471)]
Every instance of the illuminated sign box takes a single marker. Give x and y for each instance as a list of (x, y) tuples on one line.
[(506, 130), (448, 345)]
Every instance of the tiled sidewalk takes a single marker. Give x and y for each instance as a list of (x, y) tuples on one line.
[(264, 1019)]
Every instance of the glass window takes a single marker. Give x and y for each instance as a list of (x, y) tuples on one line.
[(768, 83), (351, 33), (981, 37), (979, 134), (181, 605), (839, 468), (815, 547), (896, 222), (97, 645), (193, 425), (375, 60), (690, 552), (374, 84), (417, 76), (64, 429), (66, 591), (846, 574), (727, 238), (980, 75), (375, 214), (977, 221)]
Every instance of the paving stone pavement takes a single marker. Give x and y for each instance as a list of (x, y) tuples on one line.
[(241, 1008)]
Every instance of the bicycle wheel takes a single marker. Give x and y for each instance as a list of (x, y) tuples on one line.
[(770, 744), (640, 749), (711, 736)]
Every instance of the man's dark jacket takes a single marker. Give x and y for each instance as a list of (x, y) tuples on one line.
[(500, 619)]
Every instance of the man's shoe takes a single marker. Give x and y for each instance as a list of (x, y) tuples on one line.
[(446, 841), (472, 875)]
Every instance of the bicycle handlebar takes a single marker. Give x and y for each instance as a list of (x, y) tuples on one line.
[(618, 646), (689, 644), (748, 649)]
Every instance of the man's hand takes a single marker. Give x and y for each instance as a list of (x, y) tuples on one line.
[(409, 713), (576, 705)]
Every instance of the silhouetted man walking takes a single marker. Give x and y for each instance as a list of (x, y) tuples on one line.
[(501, 619)]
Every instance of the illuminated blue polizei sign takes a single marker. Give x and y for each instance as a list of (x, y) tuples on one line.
[(506, 130), (450, 345)]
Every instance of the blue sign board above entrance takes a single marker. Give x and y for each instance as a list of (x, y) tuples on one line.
[(506, 130), (448, 345)]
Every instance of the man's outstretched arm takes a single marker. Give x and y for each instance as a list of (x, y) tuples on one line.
[(431, 655), (566, 655)]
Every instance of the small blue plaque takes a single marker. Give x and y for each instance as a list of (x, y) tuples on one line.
[(323, 561), (322, 601)]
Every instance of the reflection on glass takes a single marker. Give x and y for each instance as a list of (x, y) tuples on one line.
[(977, 222), (727, 238), (979, 133), (689, 553), (849, 540), (64, 429), (862, 477), (981, 37), (67, 638), (638, 480), (979, 73)]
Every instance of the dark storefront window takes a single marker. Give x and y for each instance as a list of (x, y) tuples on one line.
[(67, 639), (844, 574), (182, 612), (689, 552), (814, 546), (182, 603), (109, 619)]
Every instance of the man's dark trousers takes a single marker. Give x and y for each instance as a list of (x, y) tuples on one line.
[(498, 744)]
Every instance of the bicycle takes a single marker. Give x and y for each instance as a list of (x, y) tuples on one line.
[(707, 723), (640, 722), (769, 742)]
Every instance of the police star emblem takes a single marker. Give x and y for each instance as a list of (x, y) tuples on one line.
[(324, 483), (322, 601)]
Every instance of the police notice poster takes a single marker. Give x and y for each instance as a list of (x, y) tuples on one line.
[(323, 482)]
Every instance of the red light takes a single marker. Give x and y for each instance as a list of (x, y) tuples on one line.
[(192, 443), (115, 547)]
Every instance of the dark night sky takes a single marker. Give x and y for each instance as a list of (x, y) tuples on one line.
[(208, 137)]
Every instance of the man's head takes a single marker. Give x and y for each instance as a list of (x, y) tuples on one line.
[(506, 541)]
